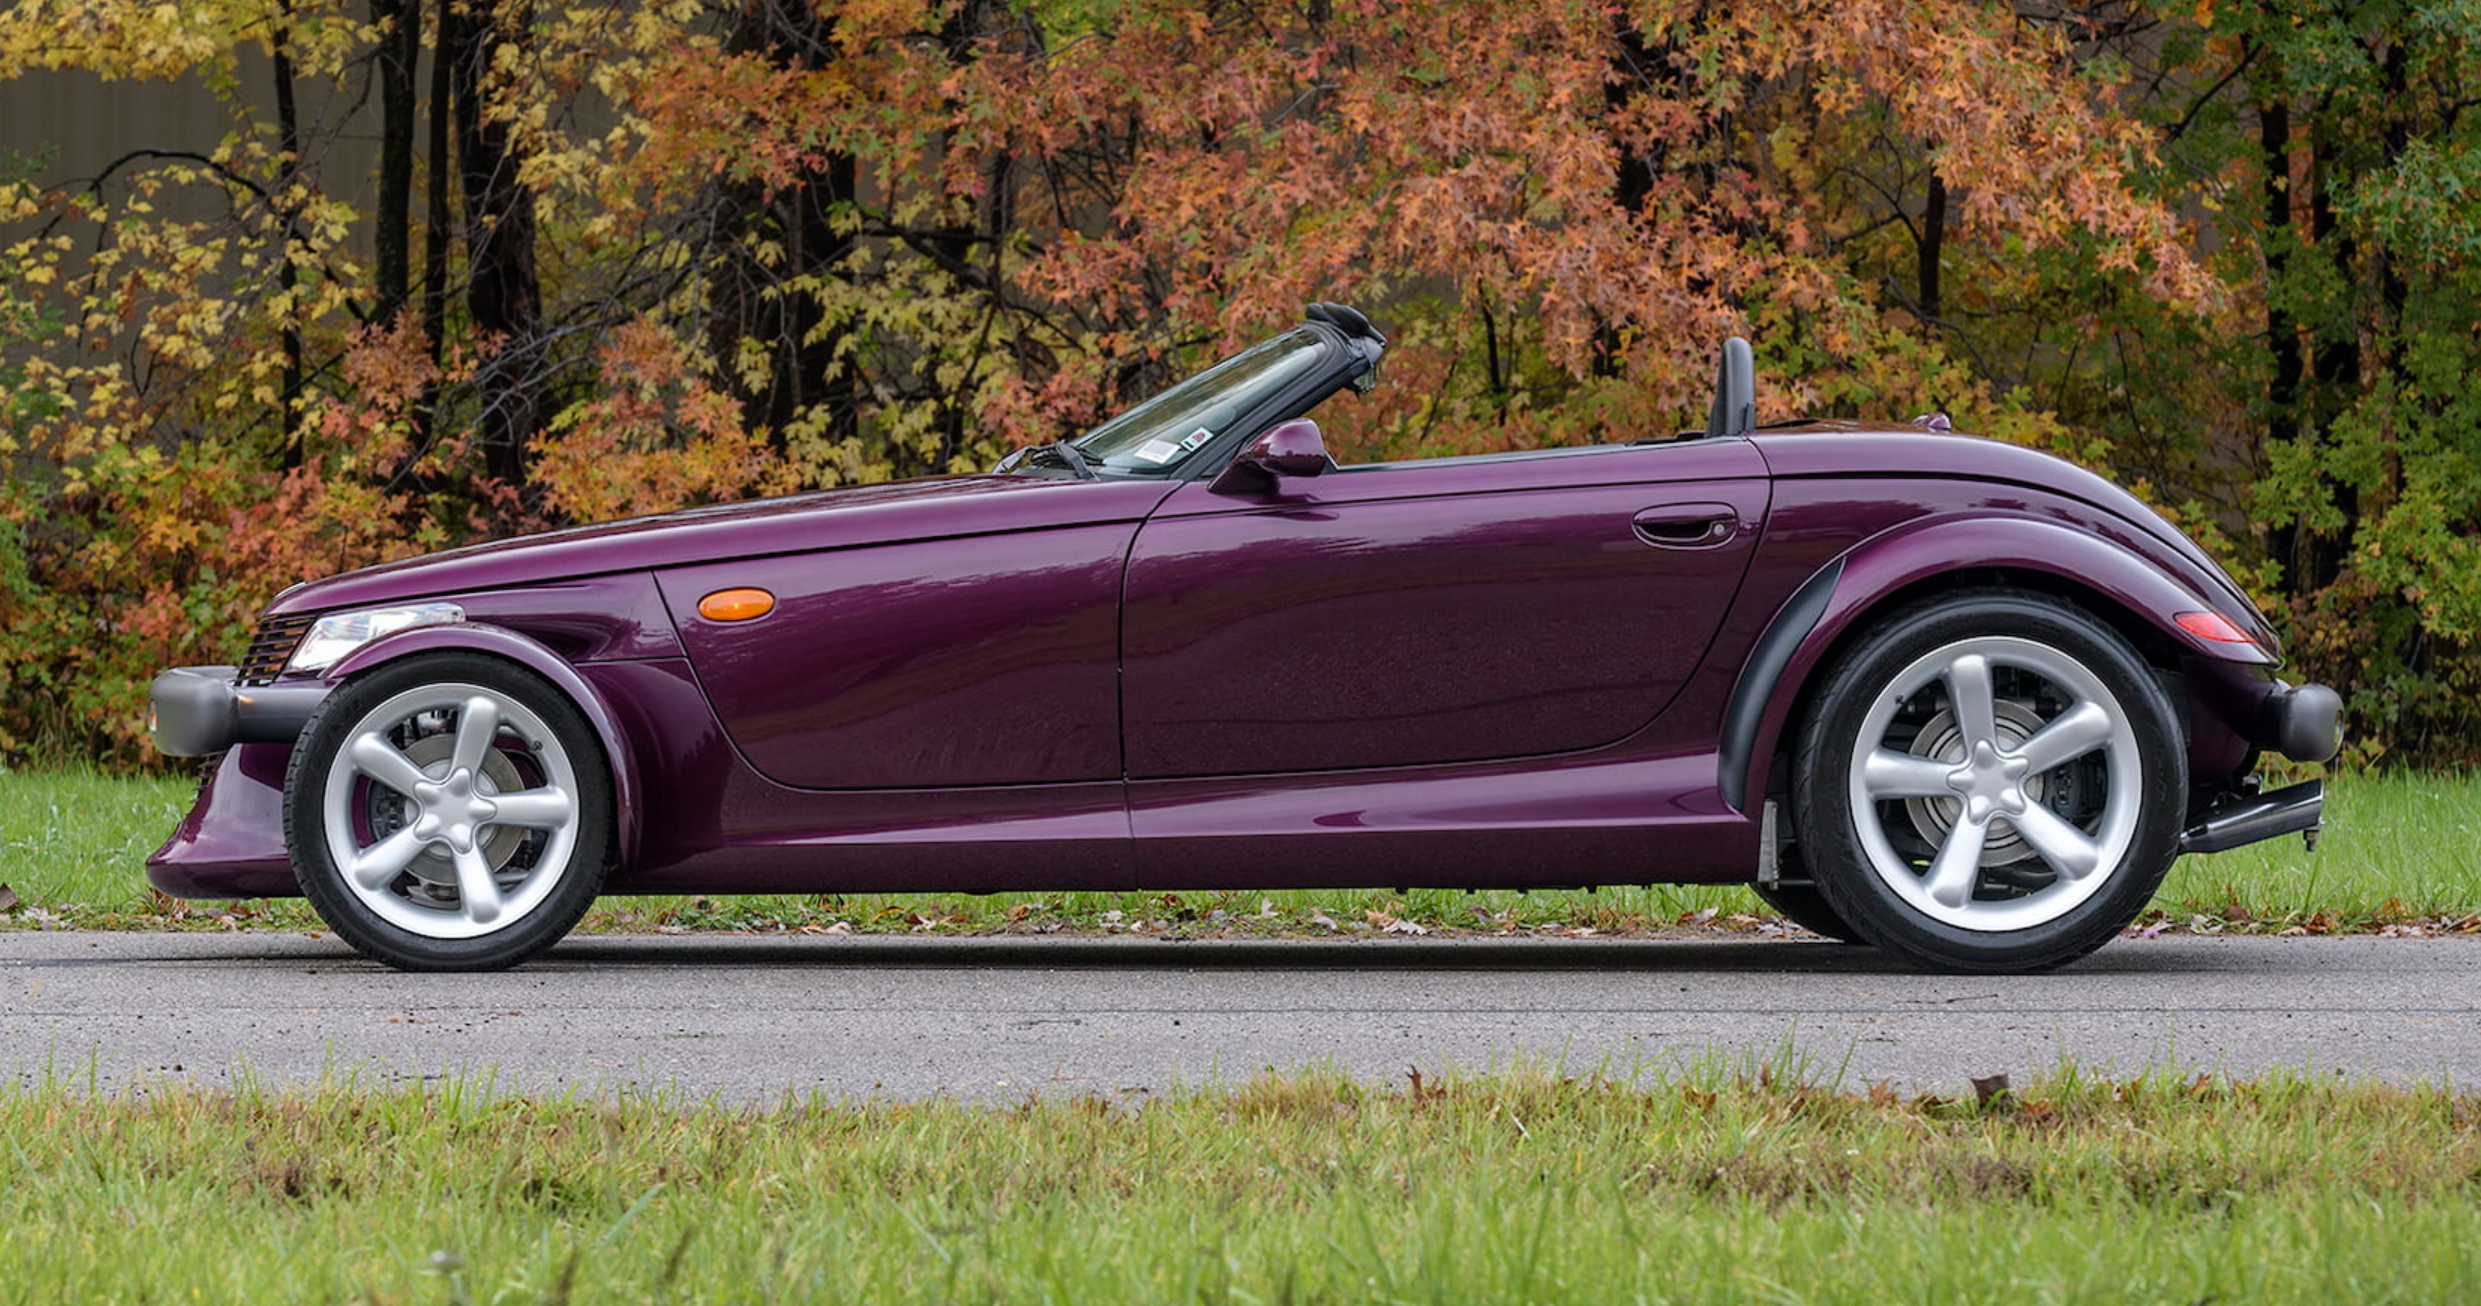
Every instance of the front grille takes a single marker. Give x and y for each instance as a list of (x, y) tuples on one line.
[(272, 646)]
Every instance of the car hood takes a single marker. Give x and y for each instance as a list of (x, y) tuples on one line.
[(1853, 449), (929, 508)]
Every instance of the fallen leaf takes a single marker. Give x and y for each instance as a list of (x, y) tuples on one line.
[(8, 898)]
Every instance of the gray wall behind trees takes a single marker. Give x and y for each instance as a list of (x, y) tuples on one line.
[(70, 126)]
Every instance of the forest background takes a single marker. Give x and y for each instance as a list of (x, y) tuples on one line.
[(430, 271)]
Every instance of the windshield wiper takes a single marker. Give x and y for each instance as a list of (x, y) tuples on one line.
[(1074, 457), (1068, 455)]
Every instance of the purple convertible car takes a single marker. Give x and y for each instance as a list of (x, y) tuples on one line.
[(1949, 697)]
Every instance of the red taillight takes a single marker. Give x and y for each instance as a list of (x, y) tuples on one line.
[(2212, 625)]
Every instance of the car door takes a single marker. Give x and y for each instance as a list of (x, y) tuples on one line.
[(1440, 611)]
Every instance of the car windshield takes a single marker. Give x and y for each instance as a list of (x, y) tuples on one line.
[(1168, 428)]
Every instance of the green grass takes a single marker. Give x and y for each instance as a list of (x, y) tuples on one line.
[(1523, 1186), (2402, 853)]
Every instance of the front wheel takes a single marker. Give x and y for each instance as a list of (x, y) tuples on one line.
[(449, 812), (1990, 781)]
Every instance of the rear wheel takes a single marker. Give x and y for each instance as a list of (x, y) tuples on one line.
[(1990, 781), (449, 812)]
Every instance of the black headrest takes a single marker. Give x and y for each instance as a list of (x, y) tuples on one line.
[(1735, 392)]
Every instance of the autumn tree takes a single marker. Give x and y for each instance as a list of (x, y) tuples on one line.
[(619, 258)]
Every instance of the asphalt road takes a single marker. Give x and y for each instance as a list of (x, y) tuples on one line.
[(755, 1018)]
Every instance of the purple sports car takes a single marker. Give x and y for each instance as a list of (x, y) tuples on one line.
[(1953, 698)]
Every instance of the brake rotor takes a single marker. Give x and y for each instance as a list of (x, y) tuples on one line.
[(391, 811), (1939, 739)]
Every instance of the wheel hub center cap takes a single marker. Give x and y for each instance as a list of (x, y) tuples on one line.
[(1990, 782), (452, 811)]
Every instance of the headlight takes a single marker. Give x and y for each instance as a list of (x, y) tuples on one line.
[(340, 633)]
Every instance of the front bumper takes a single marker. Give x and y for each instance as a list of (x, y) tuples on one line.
[(196, 711), (231, 845)]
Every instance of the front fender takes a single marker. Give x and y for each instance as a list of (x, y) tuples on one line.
[(1840, 597), (498, 641)]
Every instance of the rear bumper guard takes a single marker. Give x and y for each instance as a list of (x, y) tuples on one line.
[(2302, 722)]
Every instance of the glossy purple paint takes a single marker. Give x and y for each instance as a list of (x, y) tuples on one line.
[(857, 516), (231, 845), (1287, 449), (1393, 616), (945, 662), (1509, 670)]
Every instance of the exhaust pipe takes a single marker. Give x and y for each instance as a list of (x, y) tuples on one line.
[(2299, 807)]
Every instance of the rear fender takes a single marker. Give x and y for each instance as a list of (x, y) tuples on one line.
[(498, 641), (1885, 567)]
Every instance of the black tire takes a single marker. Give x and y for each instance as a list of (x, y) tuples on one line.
[(1960, 857), (533, 750)]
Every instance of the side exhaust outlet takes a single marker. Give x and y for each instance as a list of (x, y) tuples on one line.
[(2237, 822)]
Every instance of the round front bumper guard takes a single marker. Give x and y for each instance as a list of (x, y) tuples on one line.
[(196, 711)]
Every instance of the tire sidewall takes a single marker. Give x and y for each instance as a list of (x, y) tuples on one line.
[(1826, 820), (323, 882)]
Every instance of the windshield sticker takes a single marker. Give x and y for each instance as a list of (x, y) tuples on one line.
[(1197, 437), (1157, 451)]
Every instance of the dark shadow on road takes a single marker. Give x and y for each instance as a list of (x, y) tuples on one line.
[(1016, 953), (1685, 956)]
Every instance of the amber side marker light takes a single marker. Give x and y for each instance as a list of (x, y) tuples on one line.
[(736, 605), (2211, 625)]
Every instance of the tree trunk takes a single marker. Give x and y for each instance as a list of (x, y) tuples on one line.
[(804, 376), (437, 221), (288, 147), (2334, 365), (1933, 238), (1633, 70), (2282, 332), (502, 292), (400, 47)]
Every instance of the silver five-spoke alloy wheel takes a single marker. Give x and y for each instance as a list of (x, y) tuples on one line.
[(451, 810), (2015, 798)]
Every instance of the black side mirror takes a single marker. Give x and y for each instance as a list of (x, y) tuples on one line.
[(1291, 448)]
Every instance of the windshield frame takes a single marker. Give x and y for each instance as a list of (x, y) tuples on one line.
[(1181, 400), (1341, 358)]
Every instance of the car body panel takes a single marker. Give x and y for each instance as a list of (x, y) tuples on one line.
[(728, 829), (2000, 542), (231, 843), (930, 508), (2062, 491), (1399, 616), (965, 661), (596, 619), (1627, 814)]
